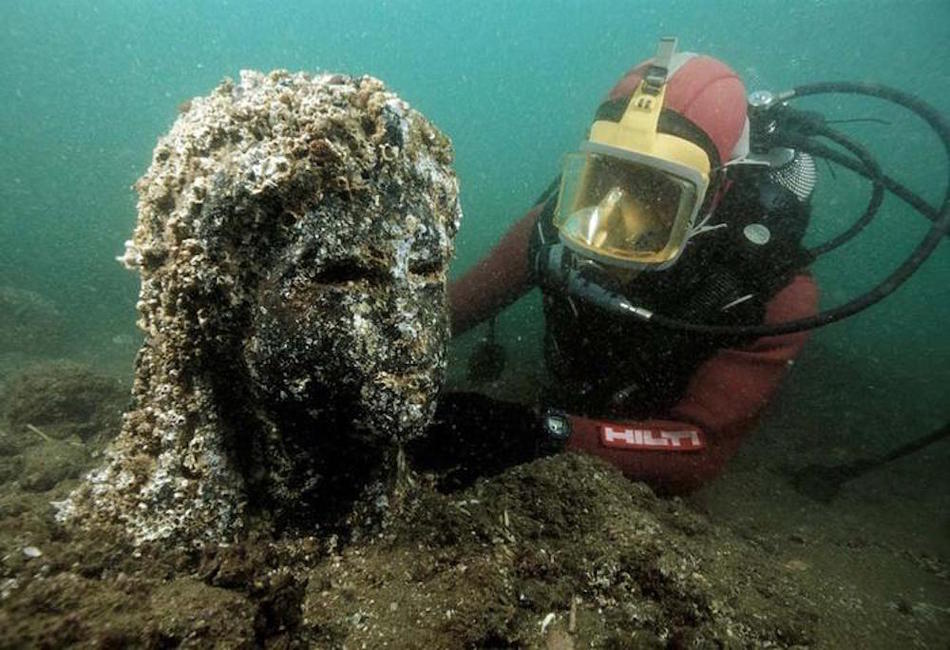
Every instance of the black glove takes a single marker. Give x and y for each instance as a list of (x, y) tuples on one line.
[(472, 435)]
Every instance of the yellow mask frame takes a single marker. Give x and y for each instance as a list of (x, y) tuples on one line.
[(634, 140)]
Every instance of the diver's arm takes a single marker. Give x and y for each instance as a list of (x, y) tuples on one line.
[(727, 394), (497, 280), (722, 403)]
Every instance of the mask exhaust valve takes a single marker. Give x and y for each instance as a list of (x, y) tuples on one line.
[(757, 233)]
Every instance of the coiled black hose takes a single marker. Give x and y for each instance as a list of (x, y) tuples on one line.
[(938, 230)]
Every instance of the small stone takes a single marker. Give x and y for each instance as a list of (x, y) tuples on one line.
[(797, 565), (7, 587), (32, 551)]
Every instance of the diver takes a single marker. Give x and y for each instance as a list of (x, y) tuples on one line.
[(674, 278)]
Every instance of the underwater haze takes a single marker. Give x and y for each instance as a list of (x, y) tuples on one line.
[(88, 87)]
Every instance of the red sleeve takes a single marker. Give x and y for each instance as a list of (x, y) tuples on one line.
[(496, 281), (724, 399)]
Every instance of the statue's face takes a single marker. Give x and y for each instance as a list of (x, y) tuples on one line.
[(350, 325)]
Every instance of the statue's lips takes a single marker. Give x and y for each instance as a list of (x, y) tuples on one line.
[(399, 405)]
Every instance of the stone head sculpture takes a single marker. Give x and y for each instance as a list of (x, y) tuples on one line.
[(292, 239)]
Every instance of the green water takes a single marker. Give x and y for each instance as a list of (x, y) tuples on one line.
[(88, 87)]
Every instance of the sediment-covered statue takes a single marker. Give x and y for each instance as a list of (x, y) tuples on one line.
[(293, 236)]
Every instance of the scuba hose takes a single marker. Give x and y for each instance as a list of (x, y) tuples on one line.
[(866, 166), (873, 173), (890, 184), (579, 285), (823, 482)]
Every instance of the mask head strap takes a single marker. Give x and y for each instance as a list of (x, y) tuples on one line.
[(655, 77), (670, 122)]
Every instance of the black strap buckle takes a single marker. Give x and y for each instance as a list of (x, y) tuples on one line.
[(655, 77)]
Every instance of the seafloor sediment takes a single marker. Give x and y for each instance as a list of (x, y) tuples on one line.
[(561, 552)]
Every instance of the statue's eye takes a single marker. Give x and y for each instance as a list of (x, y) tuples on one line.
[(347, 271), (430, 268)]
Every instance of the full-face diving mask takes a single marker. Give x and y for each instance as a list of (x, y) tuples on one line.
[(630, 196)]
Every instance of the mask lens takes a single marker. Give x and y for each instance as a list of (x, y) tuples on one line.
[(621, 209)]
